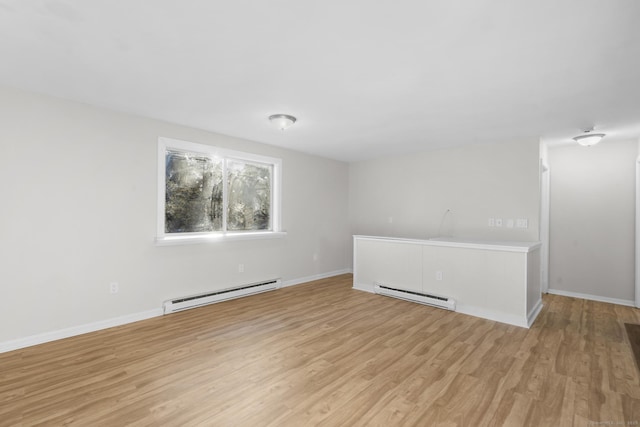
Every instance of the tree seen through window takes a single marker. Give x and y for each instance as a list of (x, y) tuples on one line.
[(194, 193)]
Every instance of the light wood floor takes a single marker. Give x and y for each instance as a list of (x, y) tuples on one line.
[(324, 354)]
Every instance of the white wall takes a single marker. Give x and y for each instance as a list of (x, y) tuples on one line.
[(592, 219), (475, 182), (78, 191)]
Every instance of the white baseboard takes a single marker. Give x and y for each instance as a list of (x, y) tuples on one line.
[(533, 314), (509, 319), (77, 330), (321, 276), (629, 303), (365, 288), (129, 318)]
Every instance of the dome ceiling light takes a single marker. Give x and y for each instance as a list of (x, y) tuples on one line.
[(282, 121), (589, 139)]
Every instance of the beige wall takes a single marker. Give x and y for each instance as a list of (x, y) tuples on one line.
[(592, 219), (475, 182), (78, 191)]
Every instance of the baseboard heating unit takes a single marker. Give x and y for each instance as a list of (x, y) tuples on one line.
[(193, 301), (433, 300)]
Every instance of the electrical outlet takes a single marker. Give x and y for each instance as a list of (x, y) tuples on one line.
[(522, 223), (114, 287), (240, 268), (438, 275), (492, 222)]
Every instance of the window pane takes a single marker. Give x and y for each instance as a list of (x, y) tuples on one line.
[(193, 193), (249, 187)]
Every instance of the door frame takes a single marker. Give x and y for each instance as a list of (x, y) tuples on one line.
[(637, 230), (545, 219)]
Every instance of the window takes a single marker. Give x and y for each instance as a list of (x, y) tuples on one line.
[(208, 192)]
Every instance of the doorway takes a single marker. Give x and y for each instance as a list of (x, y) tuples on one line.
[(590, 247)]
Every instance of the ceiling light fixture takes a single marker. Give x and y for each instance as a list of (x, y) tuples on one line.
[(588, 139), (282, 121)]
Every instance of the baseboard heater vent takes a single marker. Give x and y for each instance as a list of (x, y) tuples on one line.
[(433, 300), (185, 303)]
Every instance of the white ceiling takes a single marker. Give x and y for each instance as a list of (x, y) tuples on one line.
[(365, 78)]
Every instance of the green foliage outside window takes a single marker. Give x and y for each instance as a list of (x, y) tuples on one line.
[(194, 194), (249, 196)]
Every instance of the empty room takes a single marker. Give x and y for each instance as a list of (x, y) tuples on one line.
[(407, 213)]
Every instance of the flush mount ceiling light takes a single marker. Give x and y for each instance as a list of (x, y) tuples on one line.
[(589, 139), (282, 121)]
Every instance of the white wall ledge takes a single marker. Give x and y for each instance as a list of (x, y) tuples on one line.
[(493, 280), (456, 242)]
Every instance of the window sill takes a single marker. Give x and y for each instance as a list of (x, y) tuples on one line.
[(209, 238)]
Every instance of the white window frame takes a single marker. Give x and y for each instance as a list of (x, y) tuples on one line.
[(163, 238)]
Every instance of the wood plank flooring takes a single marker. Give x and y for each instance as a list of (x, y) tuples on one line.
[(324, 354)]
